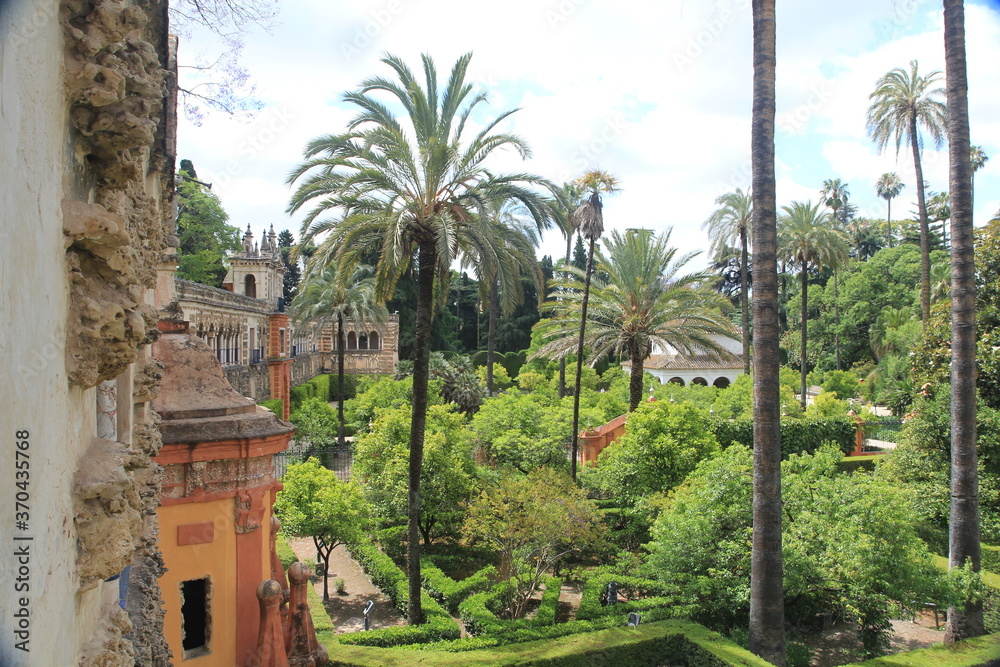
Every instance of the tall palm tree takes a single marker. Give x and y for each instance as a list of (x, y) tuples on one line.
[(888, 186), (767, 606), (329, 295), (728, 223), (568, 200), (808, 239), (644, 302), (901, 104), (963, 525), (417, 186), (836, 195), (589, 218)]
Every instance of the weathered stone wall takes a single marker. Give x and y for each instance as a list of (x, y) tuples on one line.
[(85, 189), (252, 380), (307, 366)]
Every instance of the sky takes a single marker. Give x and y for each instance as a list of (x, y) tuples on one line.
[(656, 92)]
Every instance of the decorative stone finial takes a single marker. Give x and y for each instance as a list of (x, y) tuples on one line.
[(270, 642), (301, 646)]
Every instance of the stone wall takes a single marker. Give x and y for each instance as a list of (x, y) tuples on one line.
[(86, 190), (251, 380)]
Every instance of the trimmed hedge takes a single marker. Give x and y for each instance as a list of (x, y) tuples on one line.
[(272, 404), (654, 595), (386, 576), (682, 643), (450, 592), (990, 558), (798, 436), (546, 614), (852, 464)]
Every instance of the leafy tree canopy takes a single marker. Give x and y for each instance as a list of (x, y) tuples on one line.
[(206, 237)]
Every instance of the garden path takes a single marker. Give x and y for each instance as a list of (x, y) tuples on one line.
[(347, 611)]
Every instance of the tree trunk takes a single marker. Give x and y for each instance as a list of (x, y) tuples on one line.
[(804, 334), (579, 357), (888, 221), (324, 557), (635, 378), (767, 609), (745, 300), (340, 380), (421, 372), (925, 237), (491, 335), (964, 520), (836, 316)]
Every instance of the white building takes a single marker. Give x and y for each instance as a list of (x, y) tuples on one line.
[(684, 369)]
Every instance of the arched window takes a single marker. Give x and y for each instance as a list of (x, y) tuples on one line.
[(363, 341), (676, 380), (721, 383), (373, 341), (702, 381), (352, 340), (250, 286)]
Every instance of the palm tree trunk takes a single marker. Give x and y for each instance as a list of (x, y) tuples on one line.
[(888, 220), (964, 520), (804, 334), (767, 608), (925, 237), (491, 335), (745, 300), (635, 377), (579, 357), (562, 360), (421, 372), (340, 380), (836, 316)]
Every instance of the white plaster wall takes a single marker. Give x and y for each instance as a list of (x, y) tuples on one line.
[(34, 392)]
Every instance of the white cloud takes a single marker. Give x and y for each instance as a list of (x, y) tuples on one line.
[(656, 92)]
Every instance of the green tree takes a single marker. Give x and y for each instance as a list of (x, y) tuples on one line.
[(663, 444), (767, 615), (449, 478), (314, 503), (849, 546), (205, 236), (532, 521), (568, 200), (965, 621), (729, 223), (293, 275), (644, 302), (902, 103), (420, 191), (888, 187), (329, 296), (809, 240)]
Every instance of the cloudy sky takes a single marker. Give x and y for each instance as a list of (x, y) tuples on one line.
[(657, 92)]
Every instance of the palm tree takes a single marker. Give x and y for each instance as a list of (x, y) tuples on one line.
[(589, 218), (419, 187), (888, 186), (500, 261), (808, 239), (902, 103), (729, 222), (328, 295), (963, 525), (767, 606), (645, 302), (569, 199), (836, 196)]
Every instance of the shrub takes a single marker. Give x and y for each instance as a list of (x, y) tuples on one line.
[(272, 404), (340, 586), (798, 436), (450, 592)]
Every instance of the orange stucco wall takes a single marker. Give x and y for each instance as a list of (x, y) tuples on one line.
[(214, 559)]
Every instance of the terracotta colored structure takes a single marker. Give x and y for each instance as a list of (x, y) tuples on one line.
[(216, 501), (593, 441)]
